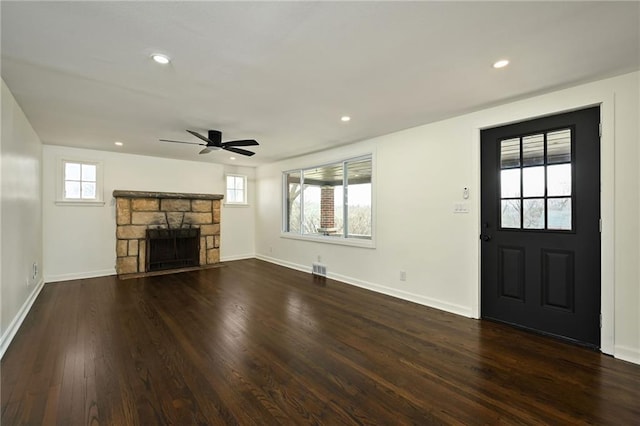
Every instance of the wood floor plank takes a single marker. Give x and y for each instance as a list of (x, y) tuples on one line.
[(255, 343)]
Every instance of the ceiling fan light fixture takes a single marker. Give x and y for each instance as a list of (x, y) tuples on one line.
[(160, 58), (501, 63)]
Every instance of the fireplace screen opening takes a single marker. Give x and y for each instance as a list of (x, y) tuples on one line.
[(172, 248)]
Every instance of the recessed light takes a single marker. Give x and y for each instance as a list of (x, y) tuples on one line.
[(232, 158), (501, 63), (345, 118), (160, 58), (118, 143)]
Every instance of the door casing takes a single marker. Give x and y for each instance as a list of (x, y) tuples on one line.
[(551, 287), (559, 105)]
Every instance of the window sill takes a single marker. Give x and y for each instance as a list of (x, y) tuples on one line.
[(235, 205), (79, 203), (352, 242)]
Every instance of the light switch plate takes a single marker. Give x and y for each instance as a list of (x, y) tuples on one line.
[(461, 208)]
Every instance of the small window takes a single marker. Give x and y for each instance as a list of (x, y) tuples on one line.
[(80, 182), (236, 189)]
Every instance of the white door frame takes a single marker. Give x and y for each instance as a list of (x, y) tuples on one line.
[(551, 105)]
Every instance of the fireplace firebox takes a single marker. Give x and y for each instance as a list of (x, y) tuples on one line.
[(172, 248)]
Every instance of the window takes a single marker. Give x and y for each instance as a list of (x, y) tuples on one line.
[(333, 201), (236, 189), (80, 182), (536, 182)]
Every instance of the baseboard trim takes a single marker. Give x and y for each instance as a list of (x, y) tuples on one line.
[(628, 354), (80, 275), (405, 295), (237, 257), (284, 263), (399, 294), (13, 328)]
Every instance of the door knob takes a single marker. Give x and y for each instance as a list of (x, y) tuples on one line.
[(485, 237)]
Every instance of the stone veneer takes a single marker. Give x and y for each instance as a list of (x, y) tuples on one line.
[(137, 211)]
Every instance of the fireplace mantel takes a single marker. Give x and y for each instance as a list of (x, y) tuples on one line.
[(178, 195), (139, 211)]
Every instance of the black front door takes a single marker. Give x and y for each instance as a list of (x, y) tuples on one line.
[(540, 218)]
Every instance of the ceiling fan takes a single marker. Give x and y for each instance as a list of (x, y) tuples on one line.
[(214, 143)]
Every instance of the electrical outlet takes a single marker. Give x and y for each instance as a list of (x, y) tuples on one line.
[(319, 259), (270, 250), (26, 281), (34, 273), (403, 275)]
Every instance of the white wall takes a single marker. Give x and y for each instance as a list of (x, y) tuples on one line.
[(79, 241), (20, 216), (420, 174), (238, 235)]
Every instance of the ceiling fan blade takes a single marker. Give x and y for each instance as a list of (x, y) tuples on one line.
[(243, 142), (239, 151), (188, 143), (199, 136), (216, 144)]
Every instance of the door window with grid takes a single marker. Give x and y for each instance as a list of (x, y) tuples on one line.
[(536, 185)]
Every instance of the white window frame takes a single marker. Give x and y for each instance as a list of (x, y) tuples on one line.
[(61, 178), (227, 200), (355, 242)]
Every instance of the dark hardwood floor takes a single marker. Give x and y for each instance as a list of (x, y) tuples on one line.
[(255, 343)]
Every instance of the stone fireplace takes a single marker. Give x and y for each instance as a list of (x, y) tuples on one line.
[(184, 230)]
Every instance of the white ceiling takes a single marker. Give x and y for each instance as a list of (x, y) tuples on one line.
[(285, 72)]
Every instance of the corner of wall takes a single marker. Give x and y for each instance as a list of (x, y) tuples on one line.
[(14, 326)]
